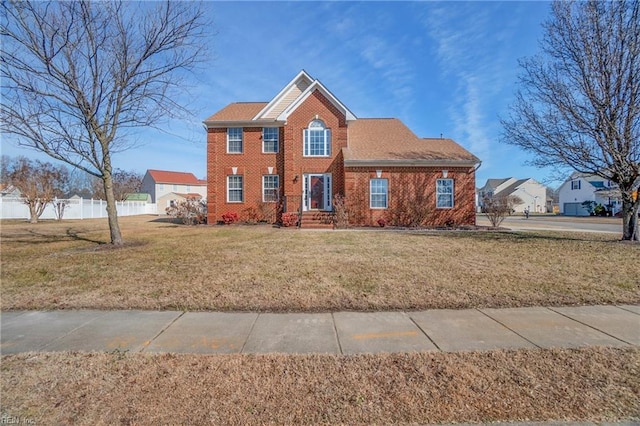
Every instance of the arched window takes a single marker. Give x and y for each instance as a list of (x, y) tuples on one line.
[(317, 140)]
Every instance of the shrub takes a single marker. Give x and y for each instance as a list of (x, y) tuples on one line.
[(229, 217), (412, 204), (381, 222), (289, 219), (190, 212), (498, 207), (341, 211)]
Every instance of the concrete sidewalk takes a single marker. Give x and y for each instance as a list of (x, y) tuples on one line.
[(335, 333)]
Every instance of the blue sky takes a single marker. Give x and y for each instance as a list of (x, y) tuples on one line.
[(445, 68)]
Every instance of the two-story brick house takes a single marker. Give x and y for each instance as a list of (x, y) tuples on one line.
[(304, 147)]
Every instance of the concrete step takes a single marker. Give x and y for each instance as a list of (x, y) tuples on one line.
[(317, 220)]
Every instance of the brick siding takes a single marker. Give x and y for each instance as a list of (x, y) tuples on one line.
[(290, 164)]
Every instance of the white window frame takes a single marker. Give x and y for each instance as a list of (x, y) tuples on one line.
[(440, 191), (378, 194), (234, 135), (270, 139), (575, 184), (275, 188), (235, 188), (317, 129)]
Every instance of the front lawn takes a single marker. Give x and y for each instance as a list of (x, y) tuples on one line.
[(63, 265)]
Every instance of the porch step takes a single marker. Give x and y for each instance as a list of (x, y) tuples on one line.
[(316, 220)]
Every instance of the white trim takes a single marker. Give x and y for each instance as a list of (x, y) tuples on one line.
[(386, 194), (235, 140), (453, 192), (408, 163), (283, 93), (241, 189), (277, 188), (327, 191), (270, 140), (316, 85)]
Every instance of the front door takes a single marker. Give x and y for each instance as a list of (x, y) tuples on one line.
[(317, 192)]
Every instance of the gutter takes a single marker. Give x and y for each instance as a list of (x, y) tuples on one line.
[(411, 163)]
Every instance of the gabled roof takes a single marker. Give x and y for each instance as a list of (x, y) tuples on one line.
[(513, 187), (180, 178), (279, 108), (287, 95), (316, 85), (387, 141), (494, 183)]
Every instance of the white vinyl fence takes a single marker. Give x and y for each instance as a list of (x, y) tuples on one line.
[(15, 208)]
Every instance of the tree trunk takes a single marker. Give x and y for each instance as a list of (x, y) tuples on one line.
[(33, 212), (630, 217), (112, 212)]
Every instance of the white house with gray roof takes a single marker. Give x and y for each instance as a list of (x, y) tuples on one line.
[(580, 188), (532, 193)]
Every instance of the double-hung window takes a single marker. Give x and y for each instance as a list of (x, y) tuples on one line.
[(270, 140), (235, 193), (575, 184), (270, 188), (444, 193), (378, 193), (317, 140), (234, 140)]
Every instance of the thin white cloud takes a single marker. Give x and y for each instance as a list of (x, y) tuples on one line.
[(470, 46)]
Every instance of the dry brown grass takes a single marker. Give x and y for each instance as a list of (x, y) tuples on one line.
[(259, 268), (595, 384)]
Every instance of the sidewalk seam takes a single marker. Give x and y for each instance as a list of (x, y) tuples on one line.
[(335, 330), (591, 327), (508, 328), (423, 332), (626, 310), (255, 320), (146, 344)]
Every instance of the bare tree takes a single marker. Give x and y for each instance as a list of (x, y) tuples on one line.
[(497, 207), (39, 183), (77, 75), (124, 183), (579, 102)]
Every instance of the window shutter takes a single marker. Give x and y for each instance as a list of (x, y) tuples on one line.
[(327, 139), (306, 141)]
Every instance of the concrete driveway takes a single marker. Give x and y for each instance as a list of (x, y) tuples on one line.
[(558, 223)]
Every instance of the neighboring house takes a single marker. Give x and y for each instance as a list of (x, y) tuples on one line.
[(580, 188), (9, 191), (532, 193), (166, 187), (304, 147)]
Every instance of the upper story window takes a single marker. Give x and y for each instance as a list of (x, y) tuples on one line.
[(270, 140), (575, 184), (317, 140), (234, 140), (444, 193)]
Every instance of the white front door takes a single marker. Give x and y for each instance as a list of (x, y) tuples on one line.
[(317, 191)]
